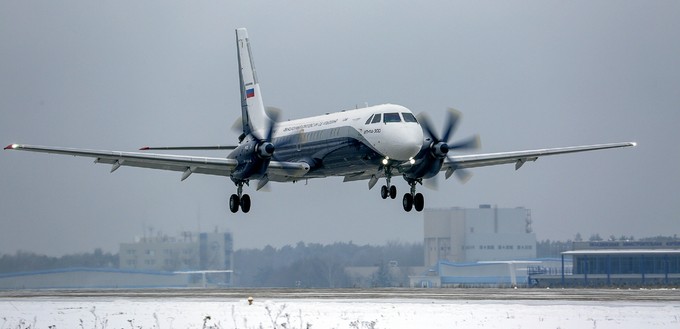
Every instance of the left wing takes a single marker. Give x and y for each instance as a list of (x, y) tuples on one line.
[(518, 157), (182, 163)]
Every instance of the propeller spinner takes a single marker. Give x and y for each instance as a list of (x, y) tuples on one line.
[(440, 146)]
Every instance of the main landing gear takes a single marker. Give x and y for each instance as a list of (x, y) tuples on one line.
[(413, 200), (239, 199)]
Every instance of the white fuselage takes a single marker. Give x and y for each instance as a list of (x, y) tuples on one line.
[(343, 142)]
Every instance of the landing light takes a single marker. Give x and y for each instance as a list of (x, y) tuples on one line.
[(411, 160), (386, 160)]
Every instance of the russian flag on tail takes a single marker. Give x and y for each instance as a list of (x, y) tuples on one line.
[(250, 92)]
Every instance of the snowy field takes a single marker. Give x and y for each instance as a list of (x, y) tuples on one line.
[(212, 312)]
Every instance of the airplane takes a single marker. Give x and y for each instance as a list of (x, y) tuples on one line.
[(370, 143)]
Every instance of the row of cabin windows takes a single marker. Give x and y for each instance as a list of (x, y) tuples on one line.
[(391, 117)]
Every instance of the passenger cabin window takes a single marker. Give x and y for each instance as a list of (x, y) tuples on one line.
[(392, 117), (408, 117), (376, 118)]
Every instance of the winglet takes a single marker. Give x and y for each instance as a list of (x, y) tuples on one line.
[(11, 146)]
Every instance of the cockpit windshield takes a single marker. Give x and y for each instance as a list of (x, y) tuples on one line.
[(408, 117), (391, 117)]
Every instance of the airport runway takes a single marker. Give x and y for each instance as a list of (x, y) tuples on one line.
[(476, 294)]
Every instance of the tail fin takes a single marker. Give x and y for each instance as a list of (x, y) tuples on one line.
[(252, 108)]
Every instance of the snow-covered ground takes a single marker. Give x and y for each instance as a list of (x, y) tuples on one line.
[(99, 312)]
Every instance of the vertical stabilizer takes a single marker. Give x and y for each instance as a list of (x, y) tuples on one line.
[(252, 108)]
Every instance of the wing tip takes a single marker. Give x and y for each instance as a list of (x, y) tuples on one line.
[(11, 146), (145, 148)]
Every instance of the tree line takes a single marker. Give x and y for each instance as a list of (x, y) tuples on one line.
[(23, 261), (554, 249), (317, 265)]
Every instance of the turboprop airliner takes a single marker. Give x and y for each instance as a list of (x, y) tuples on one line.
[(371, 143)]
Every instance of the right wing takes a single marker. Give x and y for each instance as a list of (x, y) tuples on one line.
[(181, 163), (460, 162), (518, 157)]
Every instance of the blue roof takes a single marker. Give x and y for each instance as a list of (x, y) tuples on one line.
[(83, 269)]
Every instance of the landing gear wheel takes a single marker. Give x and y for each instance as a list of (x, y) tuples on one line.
[(245, 203), (407, 202), (393, 192), (233, 203), (419, 202), (384, 192)]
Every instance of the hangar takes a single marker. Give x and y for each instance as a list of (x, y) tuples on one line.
[(616, 264)]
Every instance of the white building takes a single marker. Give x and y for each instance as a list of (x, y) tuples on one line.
[(202, 251), (478, 234)]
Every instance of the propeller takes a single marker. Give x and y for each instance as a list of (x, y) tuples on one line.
[(265, 148), (440, 147)]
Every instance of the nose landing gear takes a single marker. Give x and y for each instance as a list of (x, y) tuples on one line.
[(389, 189)]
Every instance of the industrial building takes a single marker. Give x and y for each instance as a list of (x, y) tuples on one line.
[(478, 234), (485, 246), (204, 251), (615, 264)]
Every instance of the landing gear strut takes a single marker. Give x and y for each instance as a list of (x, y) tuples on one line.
[(239, 199), (413, 200), (389, 189)]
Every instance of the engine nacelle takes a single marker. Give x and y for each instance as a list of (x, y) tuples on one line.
[(439, 150), (265, 150)]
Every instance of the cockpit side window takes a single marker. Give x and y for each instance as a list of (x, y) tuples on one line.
[(369, 119), (376, 118), (408, 117), (392, 117)]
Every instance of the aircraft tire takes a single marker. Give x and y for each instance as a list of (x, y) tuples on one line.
[(419, 202), (233, 203), (384, 192), (245, 203), (407, 202), (393, 192)]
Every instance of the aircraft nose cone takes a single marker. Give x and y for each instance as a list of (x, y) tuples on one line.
[(406, 142)]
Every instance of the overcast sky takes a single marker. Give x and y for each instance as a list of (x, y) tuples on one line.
[(118, 75)]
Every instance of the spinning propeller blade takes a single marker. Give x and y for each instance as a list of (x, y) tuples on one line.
[(440, 146)]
